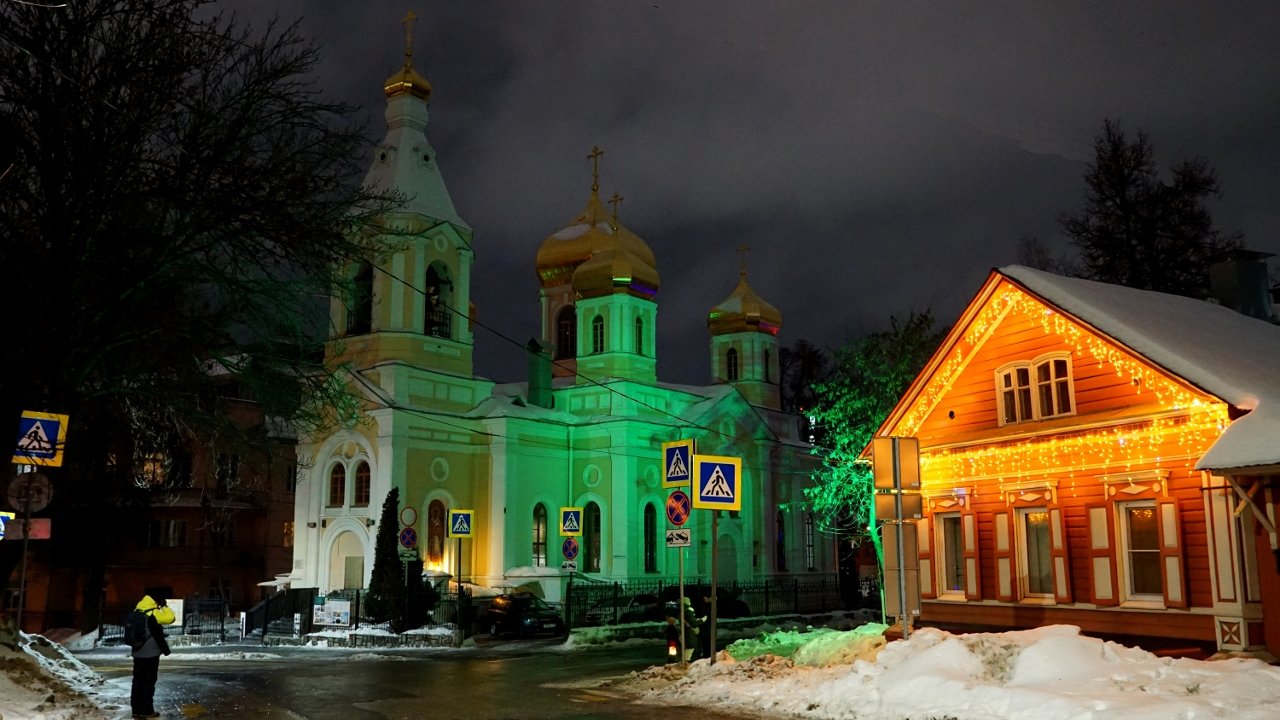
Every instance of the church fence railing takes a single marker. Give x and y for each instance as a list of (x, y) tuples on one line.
[(592, 602)]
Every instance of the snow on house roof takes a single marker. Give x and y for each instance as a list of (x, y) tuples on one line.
[(1229, 355)]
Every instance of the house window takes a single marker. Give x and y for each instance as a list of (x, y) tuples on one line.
[(221, 534), (362, 485), (1139, 535), (1035, 562), (337, 486), (780, 541), (167, 533), (951, 545), (539, 535), (731, 365), (650, 538), (566, 333), (287, 539), (360, 314), (597, 334), (639, 336), (809, 563), (591, 538), (1035, 390), (291, 479)]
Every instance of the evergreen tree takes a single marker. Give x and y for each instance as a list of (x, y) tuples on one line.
[(870, 375), (387, 590), (1139, 231)]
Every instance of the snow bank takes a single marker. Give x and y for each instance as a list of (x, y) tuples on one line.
[(42, 681)]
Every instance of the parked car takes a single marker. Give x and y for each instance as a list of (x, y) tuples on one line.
[(523, 614), (644, 607)]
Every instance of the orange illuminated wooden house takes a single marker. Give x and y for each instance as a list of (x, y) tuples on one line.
[(1099, 456)]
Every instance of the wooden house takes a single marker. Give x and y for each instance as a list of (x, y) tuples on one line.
[(1099, 456)]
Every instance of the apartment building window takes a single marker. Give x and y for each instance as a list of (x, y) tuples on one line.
[(810, 561), (780, 541), (227, 471), (167, 533)]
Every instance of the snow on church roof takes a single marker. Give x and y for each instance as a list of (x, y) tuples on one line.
[(1229, 355)]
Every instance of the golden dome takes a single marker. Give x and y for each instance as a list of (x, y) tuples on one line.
[(592, 234), (407, 81), (744, 311), (615, 270)]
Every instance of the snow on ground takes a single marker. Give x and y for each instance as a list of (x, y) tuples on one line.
[(40, 680), (1051, 673)]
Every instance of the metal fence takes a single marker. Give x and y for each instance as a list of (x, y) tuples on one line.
[(598, 603), (207, 618)]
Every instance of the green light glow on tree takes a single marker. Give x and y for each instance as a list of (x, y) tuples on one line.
[(871, 373)]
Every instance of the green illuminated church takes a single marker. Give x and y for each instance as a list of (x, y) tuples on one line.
[(584, 428)]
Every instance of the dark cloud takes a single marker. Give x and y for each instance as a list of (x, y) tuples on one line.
[(878, 158)]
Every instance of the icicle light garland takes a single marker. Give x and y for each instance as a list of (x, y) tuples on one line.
[(1135, 445), (1083, 342), (1126, 446)]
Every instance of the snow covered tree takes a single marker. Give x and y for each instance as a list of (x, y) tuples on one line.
[(1140, 231)]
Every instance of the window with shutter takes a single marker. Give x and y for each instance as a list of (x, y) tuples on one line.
[(1171, 556), (969, 531), (924, 549), (1004, 557)]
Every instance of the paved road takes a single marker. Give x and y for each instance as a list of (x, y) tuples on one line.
[(517, 680)]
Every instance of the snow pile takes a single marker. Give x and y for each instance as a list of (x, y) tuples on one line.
[(41, 680), (817, 648), (431, 630), (1049, 673)]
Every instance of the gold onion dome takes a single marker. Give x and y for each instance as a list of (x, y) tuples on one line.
[(595, 235), (744, 311), (407, 81), (615, 270)]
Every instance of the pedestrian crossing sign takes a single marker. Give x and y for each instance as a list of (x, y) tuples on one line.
[(717, 482), (461, 524), (677, 463), (41, 437), (571, 522)]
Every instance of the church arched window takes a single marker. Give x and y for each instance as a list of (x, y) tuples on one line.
[(780, 547), (337, 486), (360, 312), (539, 535), (438, 288), (591, 538), (597, 334), (639, 335), (731, 365), (766, 364), (567, 333), (650, 538), (363, 485)]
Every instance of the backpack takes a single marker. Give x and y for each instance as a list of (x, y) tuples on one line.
[(135, 629)]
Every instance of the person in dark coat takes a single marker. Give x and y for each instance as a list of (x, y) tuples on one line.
[(704, 635), (146, 655), (692, 626)]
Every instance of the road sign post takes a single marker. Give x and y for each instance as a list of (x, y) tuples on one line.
[(896, 468), (717, 486), (461, 525)]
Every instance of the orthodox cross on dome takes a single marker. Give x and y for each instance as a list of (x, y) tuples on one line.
[(615, 201), (409, 17), (594, 157), (742, 250)]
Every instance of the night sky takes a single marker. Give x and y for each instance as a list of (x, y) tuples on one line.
[(878, 158)]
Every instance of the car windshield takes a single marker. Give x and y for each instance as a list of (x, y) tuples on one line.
[(535, 602)]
